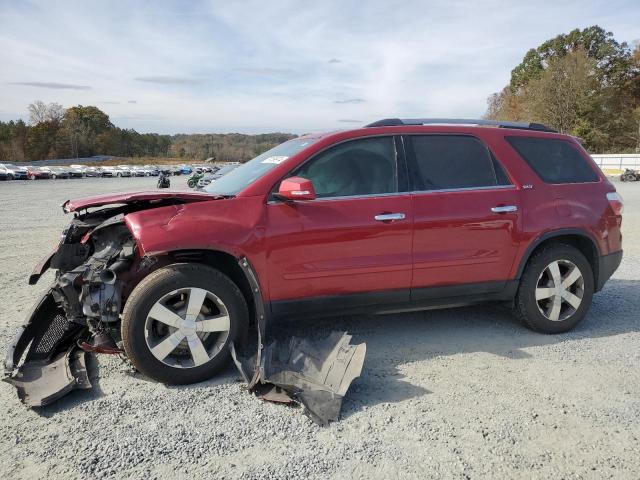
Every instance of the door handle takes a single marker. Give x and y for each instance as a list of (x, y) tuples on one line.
[(387, 217), (504, 209)]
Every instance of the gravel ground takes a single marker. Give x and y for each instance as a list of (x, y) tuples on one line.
[(458, 393)]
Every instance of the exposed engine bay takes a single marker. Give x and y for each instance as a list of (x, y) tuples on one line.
[(97, 265), (95, 261)]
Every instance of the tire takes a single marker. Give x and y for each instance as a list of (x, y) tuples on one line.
[(32, 177), (140, 330), (539, 314)]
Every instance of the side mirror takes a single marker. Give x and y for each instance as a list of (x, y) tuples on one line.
[(296, 188)]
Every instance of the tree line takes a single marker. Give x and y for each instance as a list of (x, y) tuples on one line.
[(582, 83), (79, 131), (84, 131)]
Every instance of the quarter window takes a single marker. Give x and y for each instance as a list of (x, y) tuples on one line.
[(358, 167), (554, 160), (453, 161)]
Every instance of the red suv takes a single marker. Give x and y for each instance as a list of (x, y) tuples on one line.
[(398, 215)]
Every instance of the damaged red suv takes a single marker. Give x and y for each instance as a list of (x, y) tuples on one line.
[(399, 215)]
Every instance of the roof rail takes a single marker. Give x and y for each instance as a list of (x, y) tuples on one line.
[(392, 122)]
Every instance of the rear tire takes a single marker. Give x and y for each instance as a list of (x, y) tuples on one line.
[(222, 318), (555, 290)]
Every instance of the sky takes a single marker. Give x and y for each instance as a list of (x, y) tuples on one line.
[(253, 67)]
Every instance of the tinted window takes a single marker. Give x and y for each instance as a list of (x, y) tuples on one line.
[(554, 160), (453, 161), (357, 167)]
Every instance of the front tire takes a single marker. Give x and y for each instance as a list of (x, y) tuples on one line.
[(179, 321), (555, 290)]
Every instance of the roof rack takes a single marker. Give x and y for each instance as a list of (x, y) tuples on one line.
[(392, 122)]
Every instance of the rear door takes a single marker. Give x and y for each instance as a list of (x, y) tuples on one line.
[(466, 216), (351, 246)]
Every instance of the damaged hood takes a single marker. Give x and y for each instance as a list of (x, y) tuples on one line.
[(133, 197)]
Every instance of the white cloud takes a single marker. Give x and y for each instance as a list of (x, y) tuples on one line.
[(256, 66)]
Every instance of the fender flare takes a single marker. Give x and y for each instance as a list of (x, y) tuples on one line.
[(249, 272), (559, 233)]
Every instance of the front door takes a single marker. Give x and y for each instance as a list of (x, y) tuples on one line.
[(349, 247)]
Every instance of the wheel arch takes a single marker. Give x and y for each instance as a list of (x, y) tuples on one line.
[(227, 264), (580, 239)]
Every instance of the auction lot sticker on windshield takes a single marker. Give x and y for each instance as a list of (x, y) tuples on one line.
[(276, 159)]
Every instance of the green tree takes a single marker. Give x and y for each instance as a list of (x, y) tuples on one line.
[(584, 83)]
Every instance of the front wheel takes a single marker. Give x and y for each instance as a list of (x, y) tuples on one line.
[(555, 290), (179, 321)]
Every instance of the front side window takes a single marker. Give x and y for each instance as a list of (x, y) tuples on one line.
[(554, 160), (357, 167), (453, 161)]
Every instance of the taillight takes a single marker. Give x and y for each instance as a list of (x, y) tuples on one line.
[(615, 200)]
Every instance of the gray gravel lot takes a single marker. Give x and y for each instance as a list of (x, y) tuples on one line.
[(458, 393)]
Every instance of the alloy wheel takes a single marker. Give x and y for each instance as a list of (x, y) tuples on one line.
[(559, 290), (187, 327)]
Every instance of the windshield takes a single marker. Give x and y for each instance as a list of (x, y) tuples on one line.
[(226, 169), (247, 173)]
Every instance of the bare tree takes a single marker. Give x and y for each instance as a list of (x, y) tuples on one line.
[(41, 112)]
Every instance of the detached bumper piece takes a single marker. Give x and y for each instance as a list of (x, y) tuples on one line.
[(44, 362), (315, 373)]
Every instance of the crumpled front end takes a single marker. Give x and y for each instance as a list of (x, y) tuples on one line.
[(44, 362), (79, 312)]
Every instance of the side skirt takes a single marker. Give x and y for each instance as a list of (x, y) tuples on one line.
[(394, 301)]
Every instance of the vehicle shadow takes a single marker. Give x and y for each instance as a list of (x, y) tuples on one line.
[(396, 340)]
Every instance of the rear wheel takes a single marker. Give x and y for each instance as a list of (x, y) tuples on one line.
[(555, 290), (179, 321)]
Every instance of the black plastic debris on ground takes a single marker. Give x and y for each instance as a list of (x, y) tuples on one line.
[(314, 372)]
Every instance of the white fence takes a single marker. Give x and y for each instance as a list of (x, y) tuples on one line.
[(618, 161)]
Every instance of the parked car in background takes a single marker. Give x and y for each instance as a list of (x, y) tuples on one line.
[(176, 170), (6, 173), (91, 172), (212, 177), (77, 171), (107, 171), (60, 172), (19, 172), (123, 171), (139, 172), (153, 170), (185, 169), (37, 173)]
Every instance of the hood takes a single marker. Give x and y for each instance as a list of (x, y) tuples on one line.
[(133, 197)]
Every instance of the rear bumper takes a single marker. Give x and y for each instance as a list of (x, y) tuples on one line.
[(607, 264)]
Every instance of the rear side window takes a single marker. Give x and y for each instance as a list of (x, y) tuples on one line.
[(554, 160), (453, 161)]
